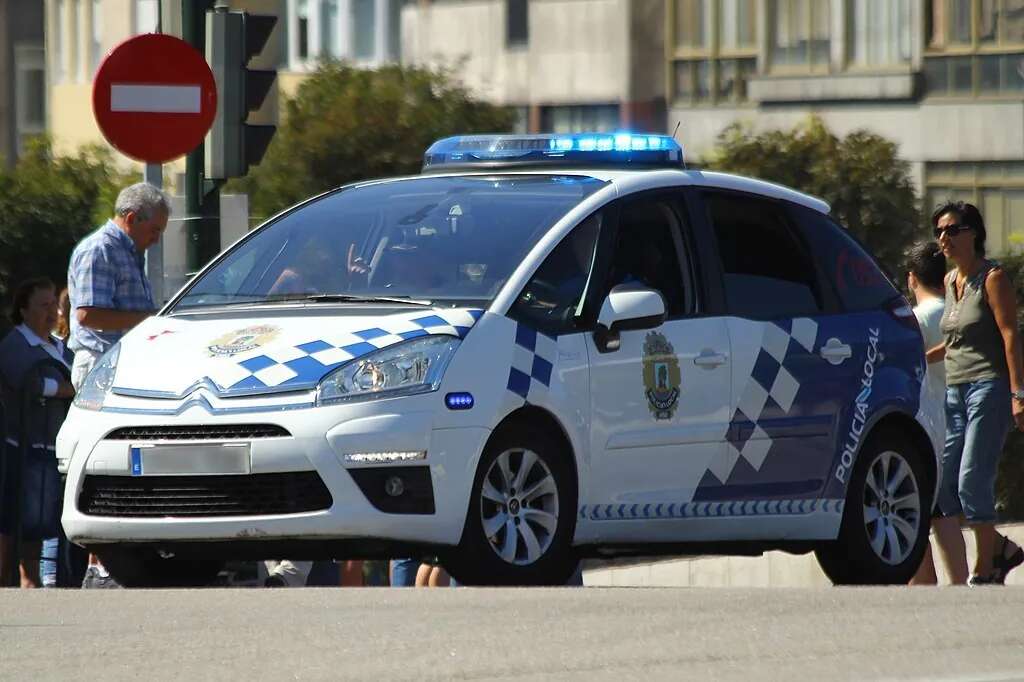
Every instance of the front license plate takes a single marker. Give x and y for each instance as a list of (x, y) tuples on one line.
[(177, 460)]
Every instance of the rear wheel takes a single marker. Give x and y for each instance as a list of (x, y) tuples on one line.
[(145, 567), (521, 516), (885, 523)]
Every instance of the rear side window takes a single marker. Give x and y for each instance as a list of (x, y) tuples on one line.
[(853, 273), (767, 272)]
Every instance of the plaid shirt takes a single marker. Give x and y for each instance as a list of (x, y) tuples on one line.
[(106, 271)]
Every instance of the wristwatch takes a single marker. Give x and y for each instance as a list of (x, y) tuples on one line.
[(1018, 394)]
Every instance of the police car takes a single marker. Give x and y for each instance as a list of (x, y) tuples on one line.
[(543, 348)]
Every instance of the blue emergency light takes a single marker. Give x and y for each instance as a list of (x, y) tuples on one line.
[(621, 150)]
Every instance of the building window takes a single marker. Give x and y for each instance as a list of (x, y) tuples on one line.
[(83, 38), (996, 188), (96, 43), (330, 37), (147, 16), (601, 118), (800, 34), (364, 29), (974, 48), (517, 22), (879, 32), (715, 46), (30, 91), (58, 40), (360, 30)]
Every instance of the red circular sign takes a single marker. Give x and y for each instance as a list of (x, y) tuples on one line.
[(154, 97)]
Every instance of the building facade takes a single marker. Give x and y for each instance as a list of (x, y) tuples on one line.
[(565, 65), (22, 77), (942, 78)]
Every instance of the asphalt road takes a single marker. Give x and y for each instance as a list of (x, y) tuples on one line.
[(591, 633)]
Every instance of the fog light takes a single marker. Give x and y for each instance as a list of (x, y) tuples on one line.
[(394, 486)]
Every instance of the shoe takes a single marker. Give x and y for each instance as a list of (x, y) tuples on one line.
[(984, 580), (1002, 565), (96, 579), (274, 581)]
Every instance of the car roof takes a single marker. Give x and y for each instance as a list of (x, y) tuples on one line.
[(628, 181)]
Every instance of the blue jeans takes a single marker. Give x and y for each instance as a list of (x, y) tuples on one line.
[(403, 572), (978, 418)]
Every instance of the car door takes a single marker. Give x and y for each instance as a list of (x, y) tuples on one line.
[(792, 351), (660, 400)]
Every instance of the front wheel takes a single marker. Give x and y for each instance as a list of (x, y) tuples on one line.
[(521, 516), (144, 567), (885, 524)]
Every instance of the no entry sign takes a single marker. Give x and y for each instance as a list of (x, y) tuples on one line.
[(154, 98)]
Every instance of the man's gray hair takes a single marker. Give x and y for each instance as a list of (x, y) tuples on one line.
[(143, 199)]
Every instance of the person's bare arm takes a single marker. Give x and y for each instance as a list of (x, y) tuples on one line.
[(937, 354), (1003, 302), (108, 319)]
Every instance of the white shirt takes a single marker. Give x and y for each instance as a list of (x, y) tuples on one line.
[(54, 347), (929, 314)]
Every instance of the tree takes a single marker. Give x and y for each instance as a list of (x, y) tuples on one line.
[(347, 124), (861, 177), (47, 204)]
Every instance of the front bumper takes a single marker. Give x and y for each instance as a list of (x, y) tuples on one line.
[(319, 438)]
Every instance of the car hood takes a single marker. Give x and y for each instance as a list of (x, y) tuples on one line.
[(170, 356)]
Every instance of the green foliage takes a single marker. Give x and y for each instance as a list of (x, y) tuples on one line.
[(47, 204), (347, 124), (861, 176)]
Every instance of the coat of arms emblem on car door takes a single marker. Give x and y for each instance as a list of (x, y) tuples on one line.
[(662, 377)]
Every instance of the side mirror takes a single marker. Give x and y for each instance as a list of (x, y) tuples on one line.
[(628, 307)]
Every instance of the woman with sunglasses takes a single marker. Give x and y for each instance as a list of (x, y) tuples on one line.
[(985, 389)]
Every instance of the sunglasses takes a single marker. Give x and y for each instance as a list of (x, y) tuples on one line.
[(951, 230)]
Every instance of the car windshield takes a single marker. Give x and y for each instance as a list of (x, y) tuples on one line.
[(447, 240)]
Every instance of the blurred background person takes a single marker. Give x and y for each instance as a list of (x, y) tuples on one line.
[(35, 374)]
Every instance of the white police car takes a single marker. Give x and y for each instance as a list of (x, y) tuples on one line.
[(544, 347)]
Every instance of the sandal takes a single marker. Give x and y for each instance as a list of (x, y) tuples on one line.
[(1002, 564)]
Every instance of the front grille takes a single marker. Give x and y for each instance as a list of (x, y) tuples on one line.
[(198, 432), (244, 495)]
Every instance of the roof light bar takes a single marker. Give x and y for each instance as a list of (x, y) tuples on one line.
[(580, 149)]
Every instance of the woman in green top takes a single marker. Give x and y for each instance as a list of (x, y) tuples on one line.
[(985, 388)]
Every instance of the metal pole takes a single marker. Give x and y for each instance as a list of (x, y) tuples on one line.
[(154, 175), (203, 235)]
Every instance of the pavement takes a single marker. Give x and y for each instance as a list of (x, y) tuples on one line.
[(772, 569), (542, 634)]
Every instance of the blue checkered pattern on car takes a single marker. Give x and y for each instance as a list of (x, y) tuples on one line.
[(770, 387), (533, 360), (623, 512), (306, 363)]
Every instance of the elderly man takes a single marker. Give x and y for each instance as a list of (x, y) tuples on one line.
[(109, 290), (107, 284)]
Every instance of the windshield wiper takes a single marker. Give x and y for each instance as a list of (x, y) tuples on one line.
[(352, 298)]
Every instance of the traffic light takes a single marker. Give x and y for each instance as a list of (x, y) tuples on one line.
[(232, 40)]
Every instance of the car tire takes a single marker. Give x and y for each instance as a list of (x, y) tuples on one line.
[(144, 567), (529, 530), (886, 518)]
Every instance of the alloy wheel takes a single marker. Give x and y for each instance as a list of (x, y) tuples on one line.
[(519, 506), (892, 507)]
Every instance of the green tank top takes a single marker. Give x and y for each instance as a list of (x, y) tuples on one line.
[(974, 345)]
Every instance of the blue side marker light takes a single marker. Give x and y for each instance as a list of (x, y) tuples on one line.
[(621, 150), (459, 401)]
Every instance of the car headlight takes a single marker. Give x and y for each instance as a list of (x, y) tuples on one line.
[(407, 368), (97, 384)]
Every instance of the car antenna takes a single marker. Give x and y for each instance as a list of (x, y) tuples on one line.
[(679, 123)]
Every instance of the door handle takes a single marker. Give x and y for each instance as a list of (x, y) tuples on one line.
[(709, 359), (835, 351)]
